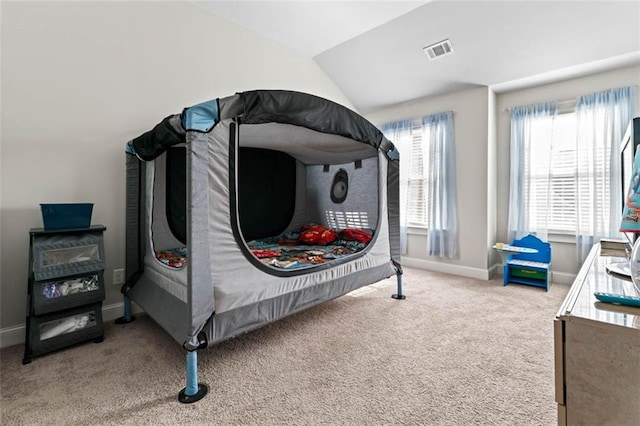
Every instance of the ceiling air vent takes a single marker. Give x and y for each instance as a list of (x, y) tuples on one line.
[(439, 49)]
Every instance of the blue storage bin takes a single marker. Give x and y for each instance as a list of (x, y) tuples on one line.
[(66, 216)]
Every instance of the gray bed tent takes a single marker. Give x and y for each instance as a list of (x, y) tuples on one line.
[(230, 172)]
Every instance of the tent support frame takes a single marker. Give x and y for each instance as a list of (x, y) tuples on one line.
[(399, 295), (193, 391), (127, 317)]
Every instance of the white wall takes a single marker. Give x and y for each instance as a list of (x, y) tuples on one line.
[(80, 79), (492, 182), (482, 153), (564, 260), (471, 131)]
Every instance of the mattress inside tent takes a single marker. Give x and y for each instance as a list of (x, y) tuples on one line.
[(284, 181), (292, 250)]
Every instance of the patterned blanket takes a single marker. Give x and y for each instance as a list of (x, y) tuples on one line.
[(285, 251)]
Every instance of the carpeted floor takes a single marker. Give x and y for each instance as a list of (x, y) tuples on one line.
[(457, 351)]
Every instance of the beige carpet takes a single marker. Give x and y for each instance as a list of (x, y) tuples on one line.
[(458, 351)]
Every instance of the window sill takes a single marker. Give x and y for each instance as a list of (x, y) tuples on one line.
[(414, 230), (561, 237), (552, 237)]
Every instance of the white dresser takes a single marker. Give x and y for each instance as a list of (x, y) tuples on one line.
[(597, 350)]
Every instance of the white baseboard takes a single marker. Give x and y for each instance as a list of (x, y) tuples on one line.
[(562, 278), (481, 274), (447, 268), (495, 270), (15, 335), (10, 336)]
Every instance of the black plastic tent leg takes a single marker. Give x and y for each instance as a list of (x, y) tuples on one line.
[(194, 391), (127, 318), (399, 295)]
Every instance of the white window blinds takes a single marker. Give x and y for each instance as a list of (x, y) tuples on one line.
[(417, 167), (550, 171)]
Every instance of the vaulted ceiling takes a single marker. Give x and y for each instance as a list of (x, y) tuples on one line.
[(373, 50)]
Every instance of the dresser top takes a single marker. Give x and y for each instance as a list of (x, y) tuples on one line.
[(581, 304)]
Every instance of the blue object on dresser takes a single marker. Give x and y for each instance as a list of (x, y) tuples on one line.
[(66, 216), (529, 268)]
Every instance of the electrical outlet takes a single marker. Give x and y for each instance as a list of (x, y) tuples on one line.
[(118, 276)]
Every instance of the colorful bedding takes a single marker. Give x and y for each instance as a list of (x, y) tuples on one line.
[(292, 249), (175, 258)]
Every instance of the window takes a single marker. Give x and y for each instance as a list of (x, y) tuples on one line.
[(565, 167), (550, 173), (427, 177), (415, 146), (427, 180), (416, 176)]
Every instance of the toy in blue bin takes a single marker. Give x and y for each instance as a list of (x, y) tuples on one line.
[(66, 216)]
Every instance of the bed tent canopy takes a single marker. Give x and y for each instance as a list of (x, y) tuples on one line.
[(228, 177)]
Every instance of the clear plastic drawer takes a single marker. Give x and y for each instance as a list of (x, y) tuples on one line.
[(72, 324), (66, 328), (63, 255), (67, 256), (64, 293)]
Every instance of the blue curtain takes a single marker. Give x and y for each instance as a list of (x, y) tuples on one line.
[(602, 119), (442, 223), (399, 133), (519, 205)]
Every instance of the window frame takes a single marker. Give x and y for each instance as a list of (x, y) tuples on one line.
[(418, 174), (564, 109), (553, 228)]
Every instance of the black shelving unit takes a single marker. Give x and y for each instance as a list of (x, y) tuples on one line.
[(65, 289)]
